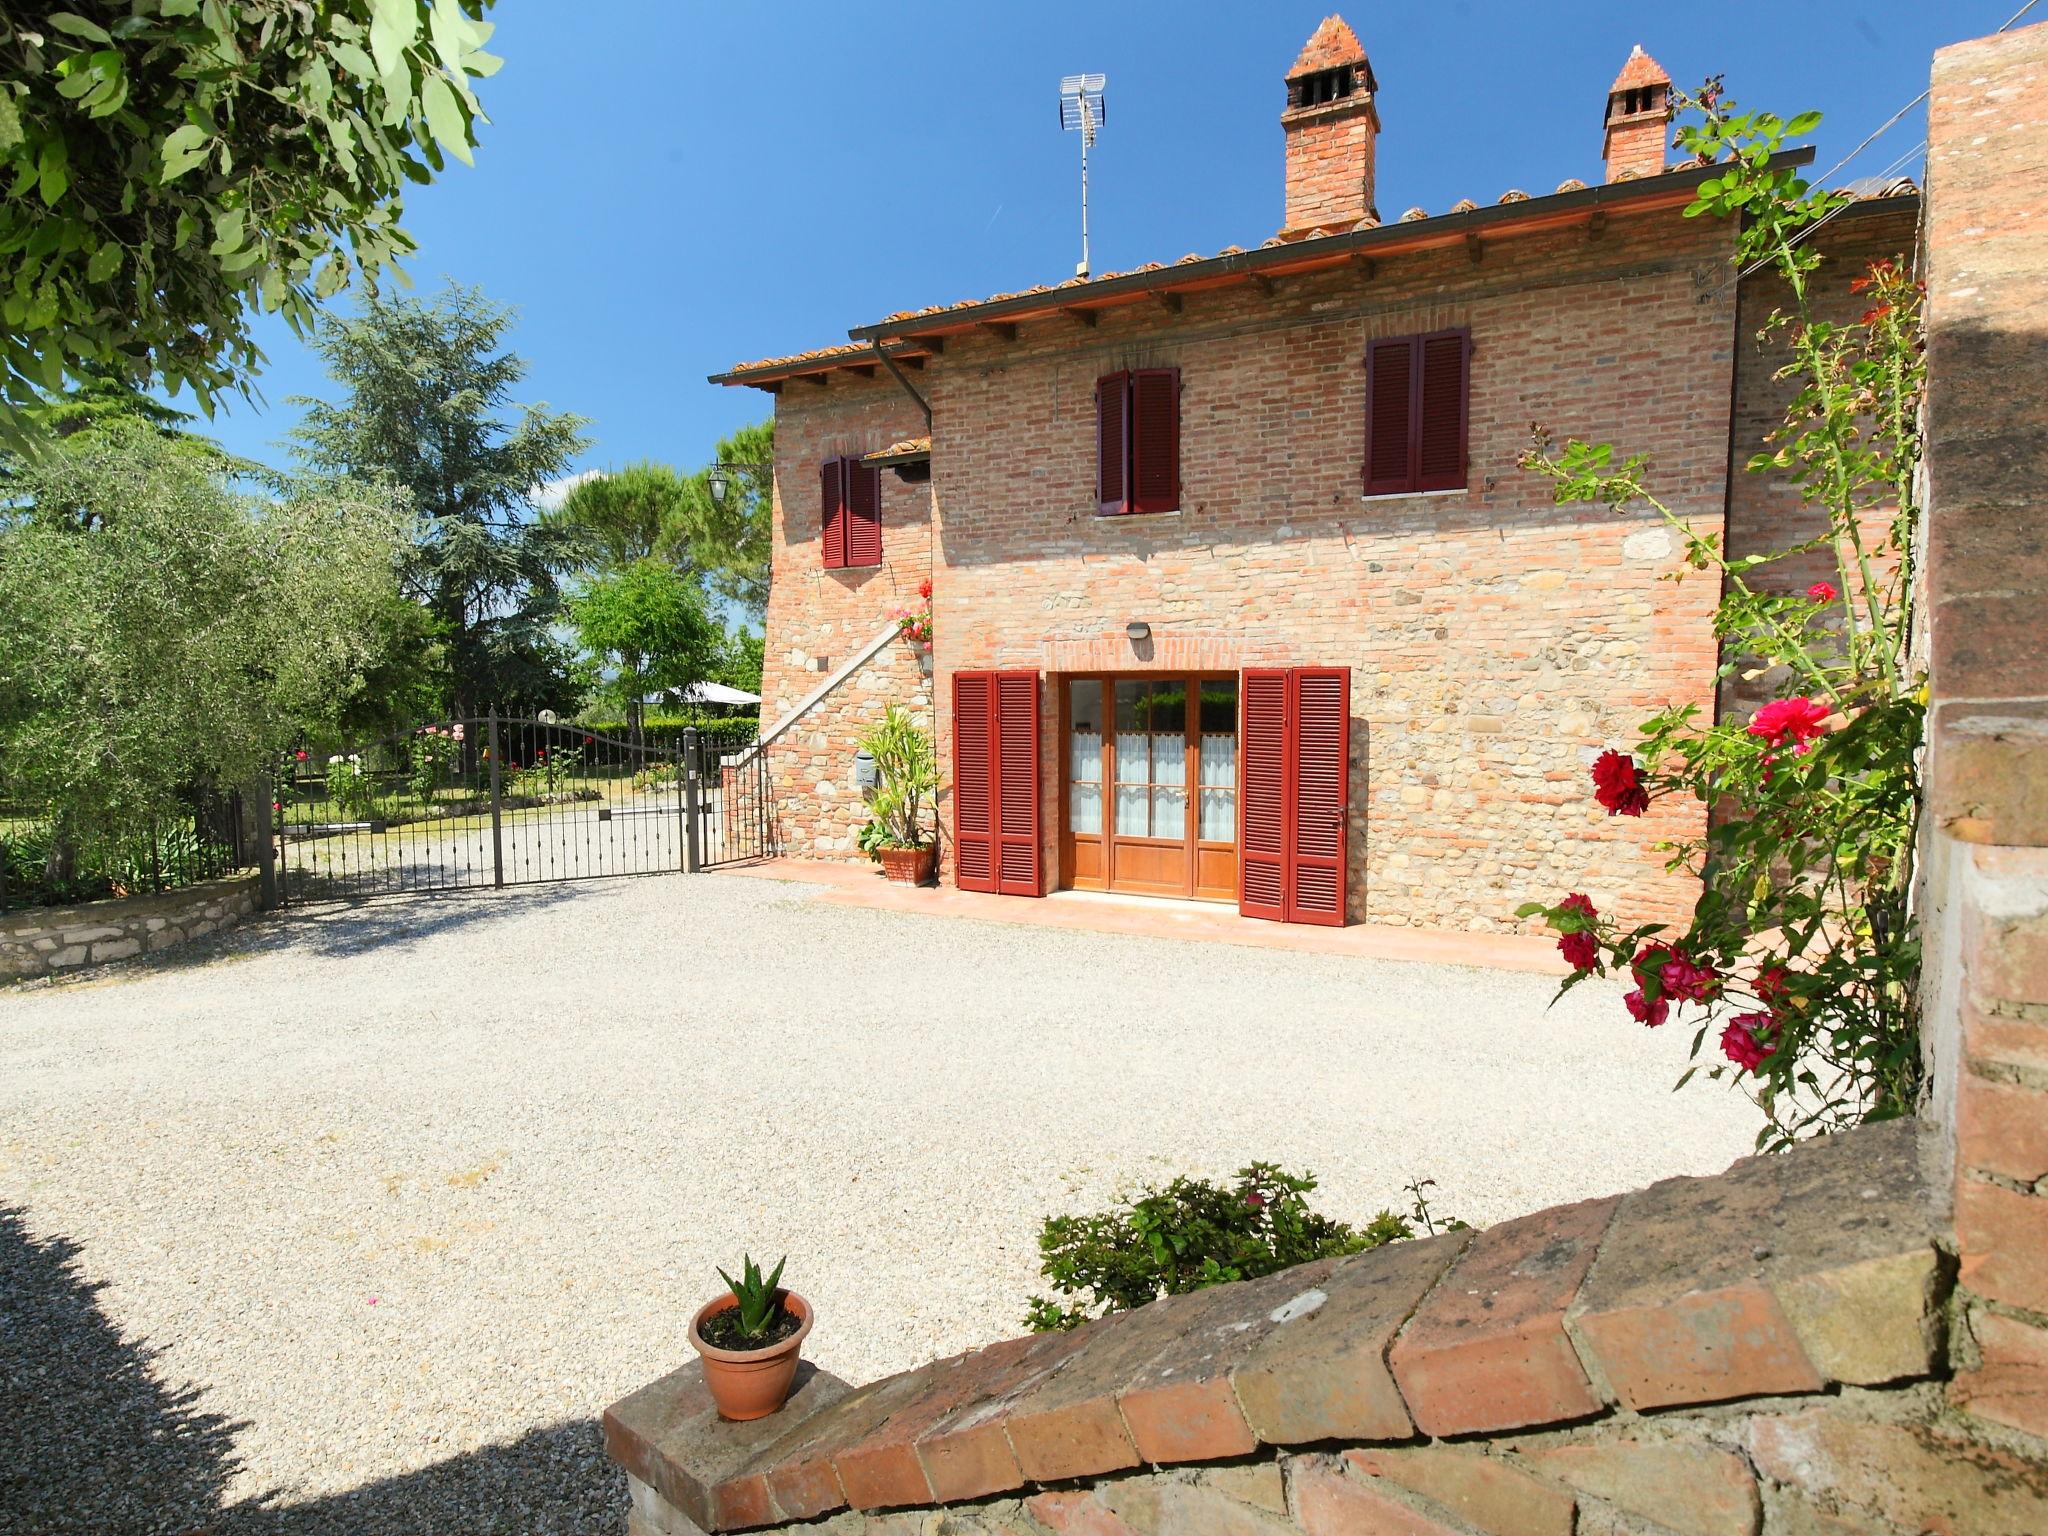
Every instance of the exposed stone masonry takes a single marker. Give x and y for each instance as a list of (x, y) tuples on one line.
[(43, 941)]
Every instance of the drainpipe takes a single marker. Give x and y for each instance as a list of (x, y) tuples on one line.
[(909, 389)]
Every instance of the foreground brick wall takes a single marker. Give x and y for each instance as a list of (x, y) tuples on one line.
[(1985, 900), (1496, 642), (1760, 1351)]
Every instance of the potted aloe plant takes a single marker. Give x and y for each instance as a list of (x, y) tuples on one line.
[(906, 777), (750, 1339)]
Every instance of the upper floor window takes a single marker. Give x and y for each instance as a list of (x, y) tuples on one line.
[(1416, 412), (1137, 441), (851, 514)]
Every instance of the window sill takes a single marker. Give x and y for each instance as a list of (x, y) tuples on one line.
[(1462, 490), (875, 567), (1125, 517)]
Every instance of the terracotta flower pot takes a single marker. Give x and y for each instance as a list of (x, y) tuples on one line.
[(750, 1383), (909, 866)]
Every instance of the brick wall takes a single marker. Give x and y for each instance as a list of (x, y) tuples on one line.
[(1496, 642), (1759, 1351), (1985, 860), (819, 619)]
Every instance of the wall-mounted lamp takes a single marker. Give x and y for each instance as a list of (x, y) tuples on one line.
[(1139, 631)]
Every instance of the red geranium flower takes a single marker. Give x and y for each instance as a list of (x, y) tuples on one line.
[(924, 588), (1617, 785), (1645, 1012), (1788, 720), (1580, 950), (1822, 592), (1742, 1041)]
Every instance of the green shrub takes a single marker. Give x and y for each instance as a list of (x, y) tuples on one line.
[(1189, 1235)]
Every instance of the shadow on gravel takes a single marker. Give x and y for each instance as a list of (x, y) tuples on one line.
[(552, 1481), (90, 1440), (393, 921)]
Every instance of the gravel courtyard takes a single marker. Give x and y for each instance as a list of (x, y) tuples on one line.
[(355, 1221)]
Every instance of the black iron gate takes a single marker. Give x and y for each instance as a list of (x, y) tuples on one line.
[(735, 808), (508, 801)]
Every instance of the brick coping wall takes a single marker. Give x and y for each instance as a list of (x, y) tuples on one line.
[(46, 941), (1720, 1345)]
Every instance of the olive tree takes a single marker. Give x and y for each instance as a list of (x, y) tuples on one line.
[(185, 633)]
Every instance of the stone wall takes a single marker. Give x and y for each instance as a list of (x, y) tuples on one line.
[(48, 940)]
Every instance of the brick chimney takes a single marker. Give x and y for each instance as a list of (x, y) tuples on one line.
[(1638, 118), (1331, 126)]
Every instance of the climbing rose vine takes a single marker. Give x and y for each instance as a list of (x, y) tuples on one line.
[(1800, 962)]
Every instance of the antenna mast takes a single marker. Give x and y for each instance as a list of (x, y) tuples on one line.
[(1083, 109)]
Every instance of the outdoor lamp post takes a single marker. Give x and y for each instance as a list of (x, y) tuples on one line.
[(719, 478)]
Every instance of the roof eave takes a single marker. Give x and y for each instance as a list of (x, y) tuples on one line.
[(1645, 193)]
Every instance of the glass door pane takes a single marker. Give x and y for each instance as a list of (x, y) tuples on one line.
[(1084, 757), (1218, 760), (1151, 758)]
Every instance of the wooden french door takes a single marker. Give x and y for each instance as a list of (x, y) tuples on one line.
[(1148, 792)]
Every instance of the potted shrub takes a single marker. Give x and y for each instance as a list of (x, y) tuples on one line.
[(906, 777), (750, 1339)]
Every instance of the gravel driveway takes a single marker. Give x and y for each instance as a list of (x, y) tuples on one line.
[(356, 1221)]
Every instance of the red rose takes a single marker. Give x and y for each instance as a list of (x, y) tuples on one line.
[(1687, 982), (1583, 905), (1617, 785), (1580, 950), (1822, 592), (1742, 1041), (1645, 1012), (1788, 719)]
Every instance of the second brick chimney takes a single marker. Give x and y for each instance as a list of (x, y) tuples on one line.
[(1332, 127), (1638, 117)]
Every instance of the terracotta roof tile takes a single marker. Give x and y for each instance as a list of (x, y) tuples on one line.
[(904, 449), (1861, 190), (1640, 69), (1332, 45)]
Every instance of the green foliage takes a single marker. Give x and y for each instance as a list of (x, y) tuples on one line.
[(741, 660), (648, 624), (625, 515), (425, 384), (179, 633), (172, 165), (1802, 945), (1187, 1236), (731, 543), (906, 778), (760, 1300)]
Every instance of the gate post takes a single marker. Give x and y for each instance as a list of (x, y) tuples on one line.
[(693, 852), (266, 840), (497, 804)]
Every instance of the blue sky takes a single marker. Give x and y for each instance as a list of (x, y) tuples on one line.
[(669, 187)]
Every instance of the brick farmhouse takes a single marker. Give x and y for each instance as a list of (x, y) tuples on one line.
[(1239, 592)]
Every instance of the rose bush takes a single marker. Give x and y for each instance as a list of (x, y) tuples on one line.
[(1801, 945)]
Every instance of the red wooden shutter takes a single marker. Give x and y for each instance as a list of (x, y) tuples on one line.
[(1320, 700), (1016, 797), (974, 732), (1112, 443), (1294, 730), (863, 514), (995, 783), (1440, 444), (1263, 813), (1390, 416), (1155, 440), (832, 514)]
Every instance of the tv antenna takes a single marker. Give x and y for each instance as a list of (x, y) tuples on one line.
[(1083, 110)]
